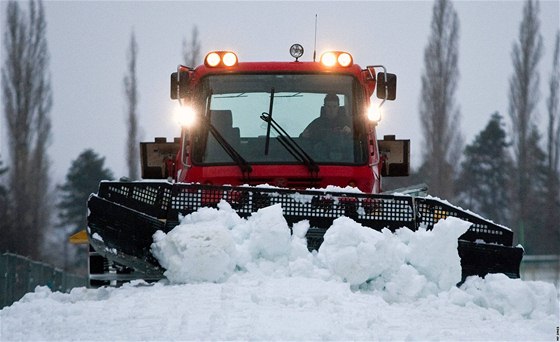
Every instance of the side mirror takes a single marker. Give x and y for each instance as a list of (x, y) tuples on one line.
[(173, 86), (386, 88), (179, 83), (396, 155)]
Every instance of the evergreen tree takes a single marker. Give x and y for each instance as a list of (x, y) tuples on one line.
[(82, 179), (536, 238), (486, 171)]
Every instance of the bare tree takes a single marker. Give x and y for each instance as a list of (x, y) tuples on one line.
[(4, 223), (27, 99), (130, 88), (554, 112), (439, 114), (191, 49), (551, 228), (523, 99)]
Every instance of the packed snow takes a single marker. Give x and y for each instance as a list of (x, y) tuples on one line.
[(229, 278)]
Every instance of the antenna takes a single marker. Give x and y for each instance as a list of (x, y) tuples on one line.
[(315, 45)]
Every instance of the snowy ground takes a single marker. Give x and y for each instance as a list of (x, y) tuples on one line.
[(236, 279)]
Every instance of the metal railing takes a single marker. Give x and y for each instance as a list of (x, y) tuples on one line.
[(541, 267), (20, 275)]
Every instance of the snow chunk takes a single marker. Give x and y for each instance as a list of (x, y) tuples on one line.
[(269, 234), (434, 253), (510, 297), (200, 249), (358, 254), (97, 237), (210, 244), (405, 265)]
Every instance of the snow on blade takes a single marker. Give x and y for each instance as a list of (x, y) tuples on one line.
[(200, 249), (261, 243), (390, 261), (210, 244)]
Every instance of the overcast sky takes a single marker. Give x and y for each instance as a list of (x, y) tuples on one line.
[(88, 42)]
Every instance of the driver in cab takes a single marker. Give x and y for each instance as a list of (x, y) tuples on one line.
[(331, 123)]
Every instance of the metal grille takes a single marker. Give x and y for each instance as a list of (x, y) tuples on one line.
[(146, 195), (166, 201), (320, 207), (119, 189), (150, 198), (430, 211)]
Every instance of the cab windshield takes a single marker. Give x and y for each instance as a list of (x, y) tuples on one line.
[(317, 113)]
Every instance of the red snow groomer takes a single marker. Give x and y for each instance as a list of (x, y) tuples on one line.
[(307, 131)]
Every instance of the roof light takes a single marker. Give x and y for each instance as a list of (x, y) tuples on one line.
[(229, 59), (344, 59), (220, 58), (336, 58), (296, 51), (328, 59), (213, 59)]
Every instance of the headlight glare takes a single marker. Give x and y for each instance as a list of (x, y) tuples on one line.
[(185, 115), (374, 113)]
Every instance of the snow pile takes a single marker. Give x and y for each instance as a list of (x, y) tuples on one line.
[(510, 297), (250, 279), (427, 259), (200, 249), (210, 244)]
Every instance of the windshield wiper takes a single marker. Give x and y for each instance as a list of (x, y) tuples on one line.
[(270, 106), (291, 146), (245, 167)]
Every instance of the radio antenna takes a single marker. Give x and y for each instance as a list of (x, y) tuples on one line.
[(315, 44)]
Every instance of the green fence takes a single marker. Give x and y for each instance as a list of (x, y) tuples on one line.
[(20, 275), (541, 267)]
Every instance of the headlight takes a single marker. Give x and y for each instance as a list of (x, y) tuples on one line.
[(374, 113), (185, 115)]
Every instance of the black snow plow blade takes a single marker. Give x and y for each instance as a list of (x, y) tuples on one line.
[(123, 217)]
